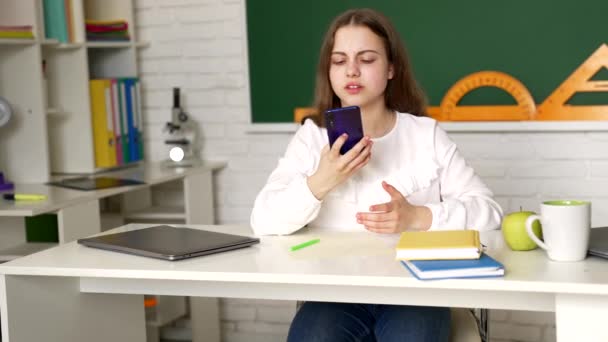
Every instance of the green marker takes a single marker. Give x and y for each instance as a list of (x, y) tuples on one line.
[(305, 244)]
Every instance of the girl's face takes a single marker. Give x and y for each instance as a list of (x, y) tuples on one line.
[(359, 68)]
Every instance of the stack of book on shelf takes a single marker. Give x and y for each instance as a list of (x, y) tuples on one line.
[(58, 20), (16, 32), (446, 254), (117, 121), (107, 30)]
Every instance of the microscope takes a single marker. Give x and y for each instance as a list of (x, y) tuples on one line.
[(180, 136)]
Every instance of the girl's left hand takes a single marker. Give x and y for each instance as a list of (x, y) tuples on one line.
[(395, 216)]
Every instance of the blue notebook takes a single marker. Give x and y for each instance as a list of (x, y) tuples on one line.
[(483, 267)]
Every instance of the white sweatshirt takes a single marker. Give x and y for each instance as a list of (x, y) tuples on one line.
[(416, 157)]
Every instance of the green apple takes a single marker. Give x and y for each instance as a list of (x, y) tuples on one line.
[(514, 231)]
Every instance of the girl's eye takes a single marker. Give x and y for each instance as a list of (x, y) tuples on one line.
[(337, 62), (368, 61)]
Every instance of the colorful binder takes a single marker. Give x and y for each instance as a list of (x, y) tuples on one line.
[(131, 119), (124, 130), (140, 120), (116, 121), (103, 130)]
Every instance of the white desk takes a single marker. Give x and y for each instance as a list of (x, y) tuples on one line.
[(78, 215), (71, 291)]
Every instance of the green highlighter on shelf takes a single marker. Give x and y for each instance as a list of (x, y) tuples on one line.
[(24, 197)]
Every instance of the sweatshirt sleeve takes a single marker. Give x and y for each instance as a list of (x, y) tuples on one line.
[(466, 202), (286, 204)]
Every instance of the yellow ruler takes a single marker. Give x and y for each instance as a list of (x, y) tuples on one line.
[(555, 107)]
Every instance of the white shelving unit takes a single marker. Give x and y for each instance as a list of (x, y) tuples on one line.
[(47, 84), (51, 130), (23, 141)]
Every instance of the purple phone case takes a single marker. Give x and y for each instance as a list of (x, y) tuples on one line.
[(344, 120)]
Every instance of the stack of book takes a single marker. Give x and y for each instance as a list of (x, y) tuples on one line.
[(107, 30), (446, 254), (16, 32)]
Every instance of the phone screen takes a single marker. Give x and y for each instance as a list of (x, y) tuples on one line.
[(344, 120)]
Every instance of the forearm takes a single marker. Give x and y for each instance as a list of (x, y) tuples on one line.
[(318, 187), (284, 209), (423, 218), (477, 212)]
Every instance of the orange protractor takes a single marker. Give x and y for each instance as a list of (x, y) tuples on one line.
[(525, 108)]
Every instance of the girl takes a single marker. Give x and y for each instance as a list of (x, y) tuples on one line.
[(405, 174)]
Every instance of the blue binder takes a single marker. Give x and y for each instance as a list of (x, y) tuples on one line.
[(133, 133)]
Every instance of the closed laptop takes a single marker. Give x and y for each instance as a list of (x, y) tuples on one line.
[(169, 243), (598, 242)]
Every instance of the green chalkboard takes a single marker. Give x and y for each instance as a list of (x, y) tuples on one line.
[(539, 42)]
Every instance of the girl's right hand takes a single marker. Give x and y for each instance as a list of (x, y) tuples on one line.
[(335, 168)]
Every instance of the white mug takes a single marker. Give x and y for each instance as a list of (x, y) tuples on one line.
[(566, 226)]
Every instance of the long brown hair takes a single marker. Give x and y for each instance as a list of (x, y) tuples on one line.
[(402, 92)]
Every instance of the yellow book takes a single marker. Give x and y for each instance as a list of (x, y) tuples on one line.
[(16, 34), (439, 245), (103, 132)]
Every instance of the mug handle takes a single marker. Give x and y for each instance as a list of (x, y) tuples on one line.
[(531, 234)]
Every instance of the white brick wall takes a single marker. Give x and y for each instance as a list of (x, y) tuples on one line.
[(200, 45)]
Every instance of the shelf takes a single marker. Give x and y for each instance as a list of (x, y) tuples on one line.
[(49, 42), (7, 41), (167, 310), (68, 46), (158, 213), (142, 44), (10, 253), (105, 45), (118, 45), (111, 220)]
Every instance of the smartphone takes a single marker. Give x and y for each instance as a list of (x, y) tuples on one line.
[(344, 120)]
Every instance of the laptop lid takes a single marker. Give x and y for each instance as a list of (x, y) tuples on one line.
[(169, 243), (598, 242)]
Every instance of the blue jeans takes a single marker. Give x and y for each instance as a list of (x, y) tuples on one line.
[(346, 322)]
